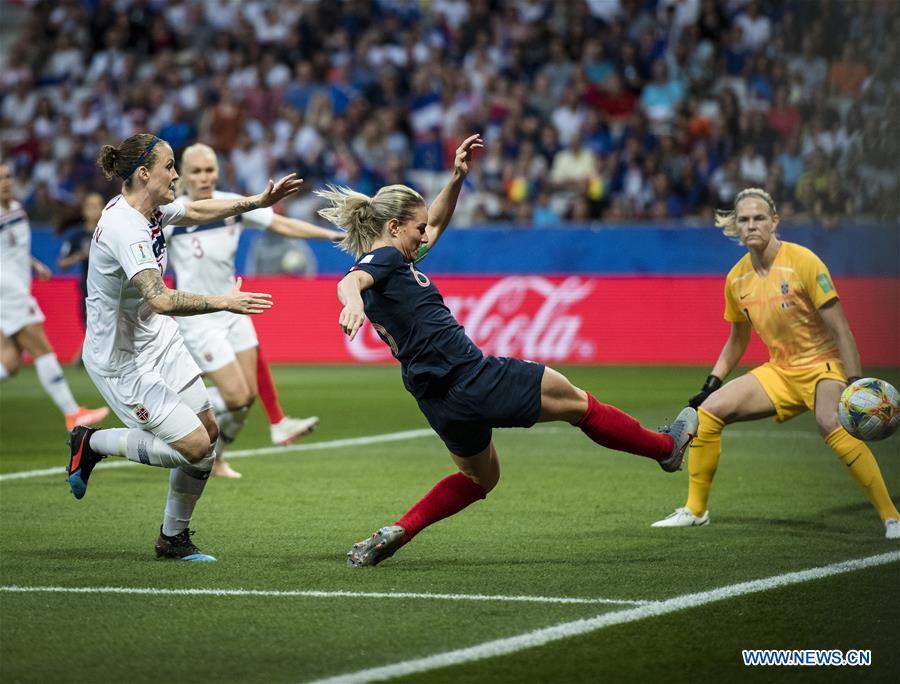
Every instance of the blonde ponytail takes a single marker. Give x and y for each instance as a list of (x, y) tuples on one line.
[(364, 217)]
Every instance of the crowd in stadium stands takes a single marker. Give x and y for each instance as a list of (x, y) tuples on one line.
[(612, 110)]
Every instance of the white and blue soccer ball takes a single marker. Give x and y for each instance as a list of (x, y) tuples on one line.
[(869, 409)]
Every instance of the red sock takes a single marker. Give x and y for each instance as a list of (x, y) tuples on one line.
[(615, 429), (268, 395), (447, 497)]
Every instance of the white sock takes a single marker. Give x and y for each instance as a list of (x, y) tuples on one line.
[(230, 425), (54, 382), (215, 398), (139, 446), (185, 489), (4, 374)]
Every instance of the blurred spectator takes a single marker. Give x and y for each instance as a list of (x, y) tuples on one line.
[(813, 184), (76, 246), (756, 28), (661, 97), (810, 68), (847, 75), (791, 162), (752, 166), (572, 166), (834, 205)]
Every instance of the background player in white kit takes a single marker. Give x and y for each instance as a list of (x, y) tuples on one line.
[(21, 319), (133, 350), (224, 345)]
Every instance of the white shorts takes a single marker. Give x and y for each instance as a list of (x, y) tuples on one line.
[(18, 310), (215, 339), (163, 399)]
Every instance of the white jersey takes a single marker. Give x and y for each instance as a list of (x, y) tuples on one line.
[(203, 256), (15, 251), (123, 332)]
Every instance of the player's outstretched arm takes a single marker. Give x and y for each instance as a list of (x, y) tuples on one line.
[(208, 210), (297, 228), (441, 210), (832, 314), (731, 354), (166, 301), (41, 269), (349, 291)]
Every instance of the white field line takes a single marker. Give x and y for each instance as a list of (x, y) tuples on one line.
[(243, 453), (309, 593), (567, 630), (362, 441)]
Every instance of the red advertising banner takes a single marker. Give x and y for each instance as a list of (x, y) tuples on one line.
[(567, 319)]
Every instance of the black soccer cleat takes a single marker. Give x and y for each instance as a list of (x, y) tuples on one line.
[(180, 547), (82, 459)]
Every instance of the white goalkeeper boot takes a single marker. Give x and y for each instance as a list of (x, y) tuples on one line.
[(682, 517), (892, 528)]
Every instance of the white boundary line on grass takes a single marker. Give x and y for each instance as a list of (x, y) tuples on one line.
[(567, 630), (351, 441), (243, 453), (17, 589)]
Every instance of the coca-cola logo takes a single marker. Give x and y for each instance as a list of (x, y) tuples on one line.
[(523, 316)]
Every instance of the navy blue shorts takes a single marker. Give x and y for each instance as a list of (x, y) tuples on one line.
[(497, 392)]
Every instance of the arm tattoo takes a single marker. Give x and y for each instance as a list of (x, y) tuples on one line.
[(245, 205), (187, 304), (150, 284)]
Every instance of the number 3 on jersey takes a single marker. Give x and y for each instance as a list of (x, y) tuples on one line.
[(198, 247)]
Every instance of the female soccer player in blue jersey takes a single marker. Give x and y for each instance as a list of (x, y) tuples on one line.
[(462, 393)]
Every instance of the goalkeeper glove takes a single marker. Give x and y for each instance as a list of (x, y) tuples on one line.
[(711, 385)]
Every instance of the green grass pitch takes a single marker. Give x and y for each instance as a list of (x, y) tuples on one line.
[(569, 519)]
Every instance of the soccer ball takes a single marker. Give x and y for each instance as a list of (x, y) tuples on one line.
[(869, 409)]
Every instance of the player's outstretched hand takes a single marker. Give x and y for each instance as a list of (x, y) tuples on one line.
[(464, 152), (41, 269), (277, 191), (711, 385), (351, 320), (247, 302)]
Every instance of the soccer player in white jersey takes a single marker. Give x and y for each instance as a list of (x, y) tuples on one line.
[(224, 345), (21, 319), (133, 350)]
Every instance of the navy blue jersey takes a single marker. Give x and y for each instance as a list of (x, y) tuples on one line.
[(78, 240), (409, 314)]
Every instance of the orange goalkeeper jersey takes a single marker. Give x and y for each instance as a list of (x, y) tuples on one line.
[(783, 305)]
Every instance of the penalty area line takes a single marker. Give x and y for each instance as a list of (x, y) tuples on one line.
[(309, 593), (567, 630), (244, 453)]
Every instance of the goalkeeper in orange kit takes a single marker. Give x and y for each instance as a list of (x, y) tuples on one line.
[(785, 293)]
